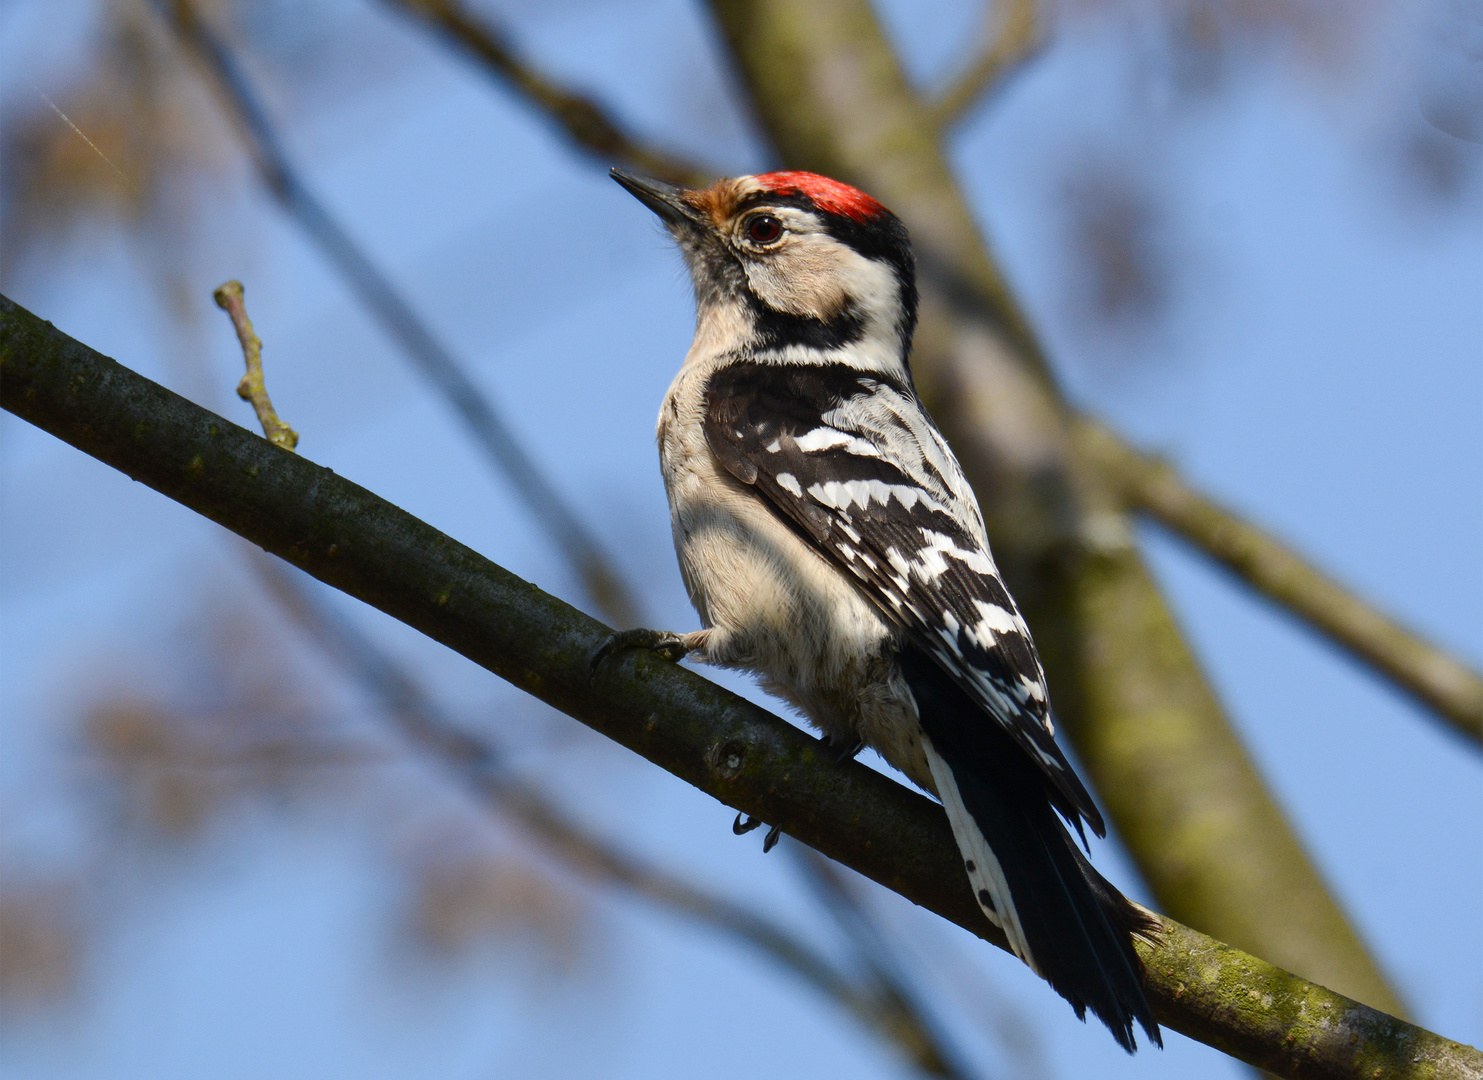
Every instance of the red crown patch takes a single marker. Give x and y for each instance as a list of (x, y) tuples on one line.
[(828, 195)]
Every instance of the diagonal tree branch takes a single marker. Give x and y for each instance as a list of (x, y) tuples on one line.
[(485, 44), (478, 765), (579, 117), (418, 343), (712, 739), (1015, 36), (1428, 674)]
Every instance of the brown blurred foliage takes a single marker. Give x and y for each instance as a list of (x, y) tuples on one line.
[(1122, 230), (1120, 272), (468, 895), (41, 942), (241, 719), (138, 129)]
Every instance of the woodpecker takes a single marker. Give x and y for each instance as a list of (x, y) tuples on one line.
[(832, 547)]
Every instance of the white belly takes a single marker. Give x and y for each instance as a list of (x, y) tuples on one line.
[(774, 606)]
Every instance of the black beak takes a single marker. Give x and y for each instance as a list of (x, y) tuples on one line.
[(666, 200)]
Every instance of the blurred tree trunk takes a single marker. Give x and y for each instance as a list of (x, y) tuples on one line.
[(1217, 852)]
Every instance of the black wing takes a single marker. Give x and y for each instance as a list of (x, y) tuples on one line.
[(850, 459)]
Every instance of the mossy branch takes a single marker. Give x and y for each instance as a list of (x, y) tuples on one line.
[(723, 745)]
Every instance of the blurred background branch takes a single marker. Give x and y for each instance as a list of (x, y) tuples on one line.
[(1438, 681), (1015, 33), (578, 116), (386, 304)]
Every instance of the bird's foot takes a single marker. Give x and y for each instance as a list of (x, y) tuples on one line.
[(852, 751), (743, 825), (667, 644)]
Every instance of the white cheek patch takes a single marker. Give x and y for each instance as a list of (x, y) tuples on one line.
[(813, 275)]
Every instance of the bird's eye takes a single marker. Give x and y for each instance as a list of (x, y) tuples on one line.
[(764, 229)]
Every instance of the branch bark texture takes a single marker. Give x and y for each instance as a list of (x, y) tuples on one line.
[(1184, 795), (725, 746)]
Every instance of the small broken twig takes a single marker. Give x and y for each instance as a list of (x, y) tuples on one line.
[(253, 389)]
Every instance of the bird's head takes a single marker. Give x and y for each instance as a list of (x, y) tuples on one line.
[(793, 261)]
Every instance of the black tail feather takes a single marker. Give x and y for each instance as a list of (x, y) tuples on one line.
[(1078, 927)]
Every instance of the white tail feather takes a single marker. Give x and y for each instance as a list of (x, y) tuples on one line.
[(984, 871)]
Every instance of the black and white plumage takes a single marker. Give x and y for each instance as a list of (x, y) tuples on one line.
[(832, 546)]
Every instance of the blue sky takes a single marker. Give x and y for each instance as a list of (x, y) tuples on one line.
[(1317, 367)]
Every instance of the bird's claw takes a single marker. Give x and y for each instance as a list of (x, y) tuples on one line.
[(849, 753), (745, 824), (667, 644)]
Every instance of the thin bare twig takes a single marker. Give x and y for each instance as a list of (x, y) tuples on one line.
[(1441, 682), (478, 763), (1015, 37), (431, 358), (253, 389), (582, 119)]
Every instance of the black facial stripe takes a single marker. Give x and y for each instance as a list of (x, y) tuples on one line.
[(779, 329)]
